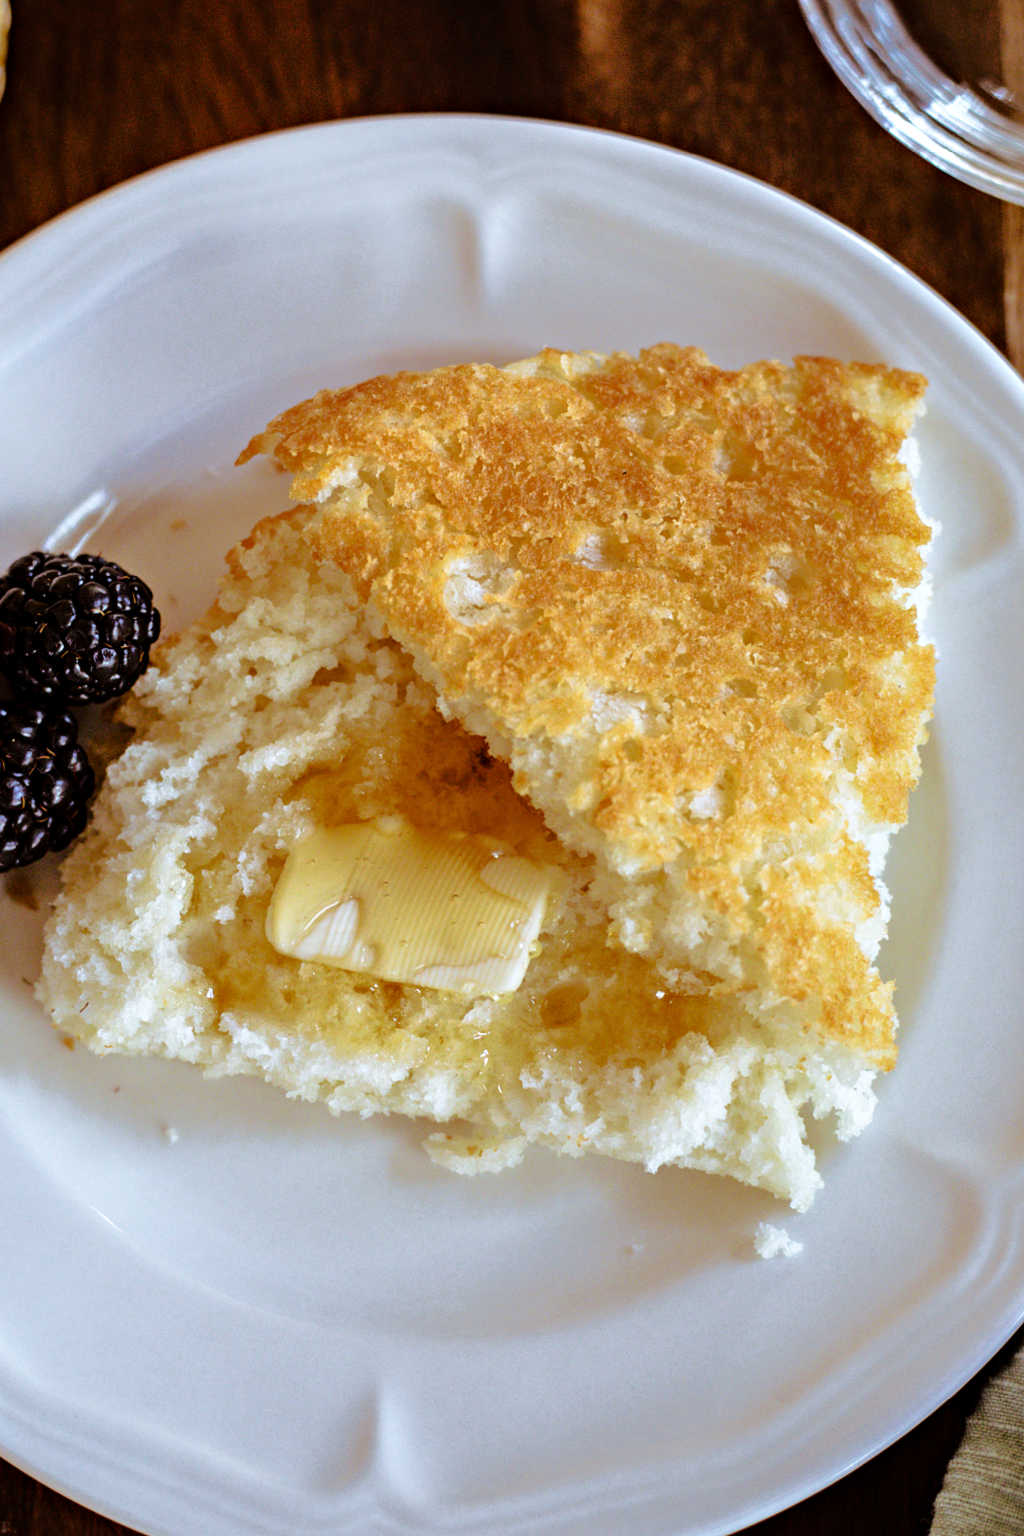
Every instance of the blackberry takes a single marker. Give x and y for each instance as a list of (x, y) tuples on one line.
[(76, 629), (45, 782)]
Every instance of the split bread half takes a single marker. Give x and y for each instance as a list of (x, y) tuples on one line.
[(640, 620), (683, 605)]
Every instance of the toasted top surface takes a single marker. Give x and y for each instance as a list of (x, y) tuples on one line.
[(678, 599)]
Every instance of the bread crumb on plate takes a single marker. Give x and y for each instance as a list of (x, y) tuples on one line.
[(773, 1242)]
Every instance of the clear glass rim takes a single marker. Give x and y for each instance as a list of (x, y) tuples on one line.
[(948, 123)]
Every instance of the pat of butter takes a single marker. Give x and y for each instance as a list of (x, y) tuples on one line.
[(441, 909)]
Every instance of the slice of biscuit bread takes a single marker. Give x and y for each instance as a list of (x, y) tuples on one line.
[(683, 604), (289, 707)]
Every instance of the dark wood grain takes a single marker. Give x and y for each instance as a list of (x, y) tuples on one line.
[(99, 93), (94, 97)]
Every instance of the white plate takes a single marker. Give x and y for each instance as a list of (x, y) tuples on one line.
[(223, 1312)]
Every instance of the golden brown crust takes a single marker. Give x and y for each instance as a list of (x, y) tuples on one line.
[(697, 579)]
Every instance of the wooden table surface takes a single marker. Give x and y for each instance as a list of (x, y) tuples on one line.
[(99, 93)]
